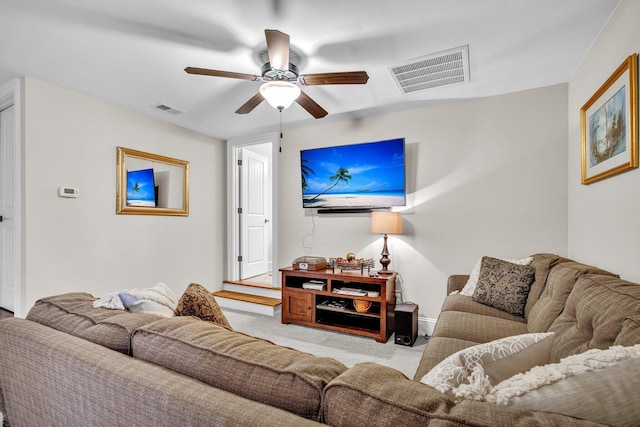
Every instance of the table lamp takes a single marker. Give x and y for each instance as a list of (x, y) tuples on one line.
[(386, 223)]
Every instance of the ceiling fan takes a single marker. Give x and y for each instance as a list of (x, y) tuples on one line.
[(282, 77)]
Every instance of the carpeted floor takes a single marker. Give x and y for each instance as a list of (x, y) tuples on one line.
[(262, 279), (348, 349)]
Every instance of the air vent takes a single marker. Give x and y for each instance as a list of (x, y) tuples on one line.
[(168, 109), (439, 69)]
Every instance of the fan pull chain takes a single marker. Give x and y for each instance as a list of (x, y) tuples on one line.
[(280, 143)]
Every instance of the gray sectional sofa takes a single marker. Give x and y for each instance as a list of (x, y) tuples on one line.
[(70, 364)]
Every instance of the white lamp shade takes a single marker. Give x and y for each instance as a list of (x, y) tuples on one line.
[(280, 94), (386, 223)]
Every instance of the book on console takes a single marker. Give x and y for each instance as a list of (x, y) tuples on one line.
[(350, 291), (314, 284)]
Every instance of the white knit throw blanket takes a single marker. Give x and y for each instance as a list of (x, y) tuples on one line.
[(480, 389), (158, 299), (111, 301)]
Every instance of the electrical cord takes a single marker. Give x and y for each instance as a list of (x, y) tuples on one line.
[(309, 246)]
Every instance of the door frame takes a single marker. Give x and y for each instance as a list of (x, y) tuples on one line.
[(11, 94), (233, 147)]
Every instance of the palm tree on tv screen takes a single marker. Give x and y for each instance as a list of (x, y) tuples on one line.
[(342, 175), (306, 171)]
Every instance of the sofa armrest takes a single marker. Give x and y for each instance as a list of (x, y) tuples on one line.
[(456, 282), (372, 394)]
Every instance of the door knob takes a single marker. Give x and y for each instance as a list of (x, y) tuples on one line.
[(266, 220)]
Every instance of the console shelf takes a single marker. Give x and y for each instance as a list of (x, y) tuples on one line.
[(327, 309)]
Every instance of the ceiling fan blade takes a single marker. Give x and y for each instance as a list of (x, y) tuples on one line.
[(218, 73), (278, 47), (343, 78), (250, 104), (311, 106)]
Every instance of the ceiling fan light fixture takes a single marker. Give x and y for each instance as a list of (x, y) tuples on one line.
[(280, 94)]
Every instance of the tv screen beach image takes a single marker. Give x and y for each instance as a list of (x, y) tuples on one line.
[(367, 175), (141, 188)]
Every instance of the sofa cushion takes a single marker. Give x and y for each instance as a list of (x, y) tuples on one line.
[(438, 349), (250, 367), (560, 281), (499, 359), (74, 314), (594, 315), (504, 285), (630, 331), (542, 265), (198, 301), (475, 327), (470, 287), (459, 302), (597, 385)]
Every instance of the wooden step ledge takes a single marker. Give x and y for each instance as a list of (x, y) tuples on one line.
[(255, 299), (252, 284)]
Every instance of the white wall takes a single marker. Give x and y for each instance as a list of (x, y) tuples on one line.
[(604, 216), (81, 244), (485, 177)]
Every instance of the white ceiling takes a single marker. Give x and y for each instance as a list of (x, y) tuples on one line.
[(133, 52)]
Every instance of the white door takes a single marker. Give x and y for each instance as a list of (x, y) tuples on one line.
[(7, 209), (254, 202)]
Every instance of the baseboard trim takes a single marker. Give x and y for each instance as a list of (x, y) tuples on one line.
[(426, 326)]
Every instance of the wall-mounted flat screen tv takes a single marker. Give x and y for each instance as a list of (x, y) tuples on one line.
[(141, 189), (358, 176)]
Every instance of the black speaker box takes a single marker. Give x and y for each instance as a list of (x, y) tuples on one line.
[(406, 324)]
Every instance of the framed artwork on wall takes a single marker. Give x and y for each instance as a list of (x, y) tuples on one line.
[(609, 125), (151, 184)]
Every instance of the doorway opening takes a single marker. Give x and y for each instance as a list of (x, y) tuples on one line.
[(251, 198), (10, 214)]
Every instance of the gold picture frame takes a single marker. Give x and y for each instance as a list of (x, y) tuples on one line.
[(162, 190), (609, 125)]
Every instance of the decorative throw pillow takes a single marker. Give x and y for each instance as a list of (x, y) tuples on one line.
[(504, 285), (470, 287), (198, 301), (597, 385), (158, 299), (500, 359)]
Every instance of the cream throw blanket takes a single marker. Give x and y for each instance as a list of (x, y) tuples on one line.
[(158, 299)]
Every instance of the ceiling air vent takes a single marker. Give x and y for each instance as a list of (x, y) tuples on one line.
[(163, 107), (439, 69)]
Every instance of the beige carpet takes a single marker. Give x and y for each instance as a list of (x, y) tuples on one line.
[(262, 279)]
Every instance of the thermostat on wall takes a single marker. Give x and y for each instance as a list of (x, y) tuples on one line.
[(68, 192)]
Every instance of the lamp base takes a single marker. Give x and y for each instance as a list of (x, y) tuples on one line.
[(385, 272)]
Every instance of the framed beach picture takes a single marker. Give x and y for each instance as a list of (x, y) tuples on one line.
[(609, 125)]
